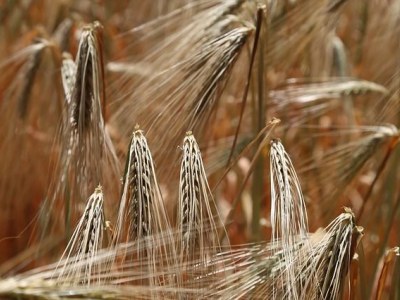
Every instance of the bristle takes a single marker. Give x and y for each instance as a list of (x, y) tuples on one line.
[(256, 271)]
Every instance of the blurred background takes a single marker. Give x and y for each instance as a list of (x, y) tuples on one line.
[(328, 70)]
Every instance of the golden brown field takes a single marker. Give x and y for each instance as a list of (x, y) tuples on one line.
[(199, 149)]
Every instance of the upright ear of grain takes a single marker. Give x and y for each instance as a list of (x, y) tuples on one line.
[(197, 215), (141, 211), (288, 213), (142, 217), (84, 244), (288, 210)]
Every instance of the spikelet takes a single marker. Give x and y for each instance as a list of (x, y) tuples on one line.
[(68, 74)]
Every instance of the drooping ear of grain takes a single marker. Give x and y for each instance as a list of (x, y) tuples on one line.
[(29, 80), (301, 100), (329, 259), (321, 268), (337, 168), (190, 83), (87, 156), (320, 261)]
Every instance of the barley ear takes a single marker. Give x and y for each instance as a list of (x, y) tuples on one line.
[(85, 243), (288, 212), (197, 215), (142, 215)]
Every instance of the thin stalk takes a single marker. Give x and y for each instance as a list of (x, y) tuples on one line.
[(386, 265), (354, 277), (362, 30), (235, 202), (266, 131), (247, 86), (392, 218), (393, 212), (396, 281), (257, 191), (363, 270), (381, 167)]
